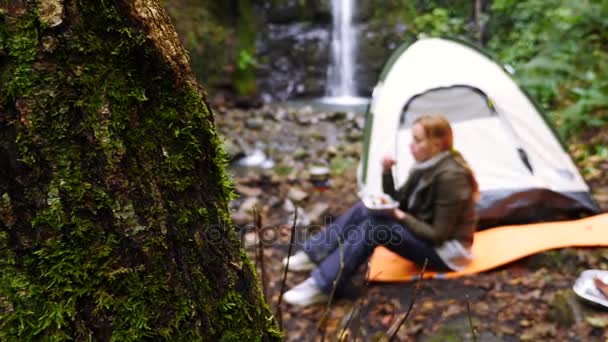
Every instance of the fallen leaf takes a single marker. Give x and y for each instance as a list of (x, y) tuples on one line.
[(452, 310), (420, 318), (529, 295), (525, 323), (427, 306), (481, 308), (539, 332), (506, 330), (414, 329), (386, 320), (597, 322)]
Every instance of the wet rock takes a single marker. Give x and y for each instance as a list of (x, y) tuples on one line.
[(354, 135), (240, 218), (301, 153), (377, 41), (303, 220), (331, 151), (232, 149), (297, 195), (249, 204), (256, 159), (316, 135), (351, 150), (316, 214), (336, 116), (288, 206), (540, 332), (281, 114), (218, 99), (248, 191), (248, 101), (597, 321), (270, 115), (274, 202), (250, 239), (254, 123), (293, 11), (297, 55), (304, 120), (359, 122)]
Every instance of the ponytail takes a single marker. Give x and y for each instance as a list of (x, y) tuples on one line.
[(462, 162), (438, 127)]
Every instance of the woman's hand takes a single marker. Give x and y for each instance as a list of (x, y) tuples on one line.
[(387, 163), (399, 214)]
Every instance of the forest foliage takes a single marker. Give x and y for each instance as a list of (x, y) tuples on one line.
[(556, 50)]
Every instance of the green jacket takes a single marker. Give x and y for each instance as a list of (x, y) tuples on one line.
[(444, 205)]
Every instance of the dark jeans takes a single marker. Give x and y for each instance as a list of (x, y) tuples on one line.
[(355, 234)]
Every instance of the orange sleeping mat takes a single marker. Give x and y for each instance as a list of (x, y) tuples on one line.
[(499, 246)]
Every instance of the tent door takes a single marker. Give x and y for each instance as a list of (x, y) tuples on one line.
[(461, 104)]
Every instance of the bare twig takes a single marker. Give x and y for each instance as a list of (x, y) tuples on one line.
[(367, 282), (291, 240), (395, 328), (344, 333), (256, 262), (478, 12), (257, 218), (357, 309), (322, 326), (470, 319)]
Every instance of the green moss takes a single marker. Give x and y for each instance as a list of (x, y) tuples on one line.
[(232, 318), (561, 310), (124, 184)]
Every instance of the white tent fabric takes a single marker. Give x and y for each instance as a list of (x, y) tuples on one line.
[(489, 143), (495, 162)]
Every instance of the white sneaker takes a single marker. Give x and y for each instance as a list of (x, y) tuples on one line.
[(300, 262), (306, 293)]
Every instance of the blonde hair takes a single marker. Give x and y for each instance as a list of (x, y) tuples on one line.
[(437, 127)]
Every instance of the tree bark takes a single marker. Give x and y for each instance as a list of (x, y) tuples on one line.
[(481, 30), (113, 195)]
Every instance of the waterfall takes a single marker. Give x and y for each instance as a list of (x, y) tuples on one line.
[(341, 71)]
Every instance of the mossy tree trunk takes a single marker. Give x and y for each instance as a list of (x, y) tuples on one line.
[(113, 196)]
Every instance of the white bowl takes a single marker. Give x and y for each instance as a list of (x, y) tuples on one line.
[(585, 288), (379, 202)]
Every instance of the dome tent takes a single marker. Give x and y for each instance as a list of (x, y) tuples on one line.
[(524, 173)]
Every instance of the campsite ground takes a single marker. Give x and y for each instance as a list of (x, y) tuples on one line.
[(528, 300)]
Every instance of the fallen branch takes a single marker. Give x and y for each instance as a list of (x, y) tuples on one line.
[(367, 282), (357, 310), (291, 241), (322, 326), (470, 319), (392, 332)]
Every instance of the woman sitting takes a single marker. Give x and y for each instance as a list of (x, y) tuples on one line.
[(435, 219)]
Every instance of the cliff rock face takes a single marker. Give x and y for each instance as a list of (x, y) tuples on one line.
[(292, 43), (114, 222), (293, 48), (295, 43)]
